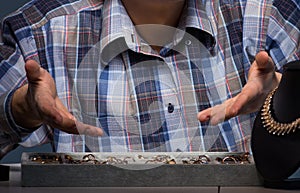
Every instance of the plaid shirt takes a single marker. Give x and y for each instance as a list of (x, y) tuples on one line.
[(107, 75)]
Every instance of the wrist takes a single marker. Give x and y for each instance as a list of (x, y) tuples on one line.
[(23, 113)]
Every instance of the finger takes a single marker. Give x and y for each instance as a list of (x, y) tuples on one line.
[(85, 129), (264, 61), (57, 118), (230, 108), (66, 122), (32, 70), (240, 102), (59, 105), (249, 100), (214, 114), (204, 116), (218, 114)]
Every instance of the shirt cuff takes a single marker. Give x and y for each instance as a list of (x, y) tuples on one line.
[(7, 122)]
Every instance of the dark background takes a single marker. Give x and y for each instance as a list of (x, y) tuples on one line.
[(6, 7)]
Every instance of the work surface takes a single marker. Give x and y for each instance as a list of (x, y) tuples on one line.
[(14, 186), (138, 169)]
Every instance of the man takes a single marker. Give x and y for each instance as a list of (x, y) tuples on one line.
[(136, 73)]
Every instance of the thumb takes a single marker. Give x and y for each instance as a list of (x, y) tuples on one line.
[(264, 61), (33, 71)]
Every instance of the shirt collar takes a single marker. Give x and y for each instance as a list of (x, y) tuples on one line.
[(117, 28), (196, 16), (118, 32)]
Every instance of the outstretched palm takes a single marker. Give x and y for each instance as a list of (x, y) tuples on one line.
[(262, 78)]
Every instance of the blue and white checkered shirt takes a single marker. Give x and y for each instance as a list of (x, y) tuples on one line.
[(108, 76)]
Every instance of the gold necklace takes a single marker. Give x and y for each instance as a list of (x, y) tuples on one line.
[(271, 124)]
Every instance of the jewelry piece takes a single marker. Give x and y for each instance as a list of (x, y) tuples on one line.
[(171, 161), (235, 159), (88, 157), (272, 125), (229, 160), (202, 159), (157, 159), (46, 159)]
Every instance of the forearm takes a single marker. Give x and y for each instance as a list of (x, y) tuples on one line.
[(10, 133)]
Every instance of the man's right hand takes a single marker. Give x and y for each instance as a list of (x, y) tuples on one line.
[(37, 103)]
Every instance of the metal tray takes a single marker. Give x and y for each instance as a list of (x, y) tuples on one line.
[(139, 169)]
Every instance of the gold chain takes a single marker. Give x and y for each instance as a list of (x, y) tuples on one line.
[(273, 126)]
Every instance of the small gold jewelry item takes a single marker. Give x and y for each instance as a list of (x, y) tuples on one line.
[(271, 124)]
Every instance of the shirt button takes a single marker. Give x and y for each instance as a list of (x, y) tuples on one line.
[(170, 108), (188, 42)]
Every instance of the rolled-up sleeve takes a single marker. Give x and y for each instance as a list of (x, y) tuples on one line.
[(283, 35), (16, 46)]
